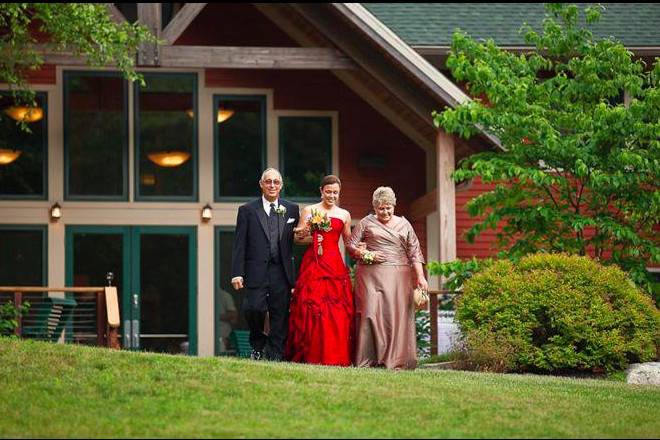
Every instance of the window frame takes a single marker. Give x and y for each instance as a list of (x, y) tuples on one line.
[(217, 97), (330, 154), (44, 166), (194, 150), (69, 73)]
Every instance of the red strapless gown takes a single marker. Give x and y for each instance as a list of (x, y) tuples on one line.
[(321, 311)]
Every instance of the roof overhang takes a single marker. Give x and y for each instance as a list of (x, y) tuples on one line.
[(405, 57), (641, 51)]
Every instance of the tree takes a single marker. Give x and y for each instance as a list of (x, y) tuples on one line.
[(579, 170), (84, 29)]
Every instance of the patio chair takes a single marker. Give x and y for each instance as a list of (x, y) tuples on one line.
[(48, 318), (240, 339)]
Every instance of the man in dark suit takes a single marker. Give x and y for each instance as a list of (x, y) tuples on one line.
[(262, 263)]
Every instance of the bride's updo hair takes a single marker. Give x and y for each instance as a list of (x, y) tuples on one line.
[(329, 180)]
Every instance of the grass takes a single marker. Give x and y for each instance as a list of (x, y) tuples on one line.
[(444, 357), (53, 390)]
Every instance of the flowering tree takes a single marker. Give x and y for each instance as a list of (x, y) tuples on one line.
[(81, 28), (579, 170)]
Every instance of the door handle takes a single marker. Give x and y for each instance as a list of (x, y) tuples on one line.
[(127, 333), (136, 333), (135, 299)]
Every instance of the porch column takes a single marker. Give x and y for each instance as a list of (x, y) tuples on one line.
[(446, 197)]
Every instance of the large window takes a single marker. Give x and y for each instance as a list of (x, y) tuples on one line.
[(305, 154), (95, 136), (23, 256), (166, 137), (23, 151), (240, 145)]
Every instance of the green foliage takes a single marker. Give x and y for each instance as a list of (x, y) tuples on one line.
[(579, 170), (482, 350), (84, 29), (558, 312), (457, 272), (9, 314)]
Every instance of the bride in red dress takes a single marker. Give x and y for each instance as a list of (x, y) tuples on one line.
[(321, 310)]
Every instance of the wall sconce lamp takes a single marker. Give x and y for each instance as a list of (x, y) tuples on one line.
[(55, 212), (207, 213)]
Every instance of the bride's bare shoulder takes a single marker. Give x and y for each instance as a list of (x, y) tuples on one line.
[(308, 208), (345, 215)]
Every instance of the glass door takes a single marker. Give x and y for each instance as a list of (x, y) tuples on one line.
[(155, 272), (164, 289)]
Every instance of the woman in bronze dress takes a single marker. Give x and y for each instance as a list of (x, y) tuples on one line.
[(389, 268)]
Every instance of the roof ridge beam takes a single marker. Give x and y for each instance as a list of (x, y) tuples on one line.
[(181, 21)]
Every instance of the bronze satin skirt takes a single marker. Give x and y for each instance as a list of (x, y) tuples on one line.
[(385, 317)]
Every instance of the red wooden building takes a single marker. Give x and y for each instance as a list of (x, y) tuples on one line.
[(310, 89)]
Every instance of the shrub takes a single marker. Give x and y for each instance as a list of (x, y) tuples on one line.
[(9, 314), (555, 313), (482, 350)]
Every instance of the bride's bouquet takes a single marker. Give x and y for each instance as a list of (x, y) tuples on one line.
[(318, 221)]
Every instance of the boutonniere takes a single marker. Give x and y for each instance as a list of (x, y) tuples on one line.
[(281, 210)]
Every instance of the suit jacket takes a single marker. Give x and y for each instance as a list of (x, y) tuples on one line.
[(251, 249)]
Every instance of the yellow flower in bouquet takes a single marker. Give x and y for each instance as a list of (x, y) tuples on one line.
[(318, 221)]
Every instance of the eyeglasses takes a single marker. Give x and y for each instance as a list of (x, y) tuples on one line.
[(272, 182)]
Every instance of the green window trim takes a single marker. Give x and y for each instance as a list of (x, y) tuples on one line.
[(194, 197), (131, 257), (67, 74), (44, 173), (216, 144), (191, 232)]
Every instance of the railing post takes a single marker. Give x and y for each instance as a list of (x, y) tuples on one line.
[(101, 321), (433, 316), (111, 313), (18, 302)]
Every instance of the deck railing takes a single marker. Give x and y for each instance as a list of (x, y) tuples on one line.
[(89, 315), (434, 302)]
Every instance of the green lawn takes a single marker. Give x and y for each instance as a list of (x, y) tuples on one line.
[(52, 390)]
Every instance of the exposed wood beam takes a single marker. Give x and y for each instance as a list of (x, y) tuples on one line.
[(181, 21), (393, 115), (446, 197), (63, 58), (115, 13), (341, 35), (428, 203), (254, 57), (423, 206), (149, 14), (282, 17)]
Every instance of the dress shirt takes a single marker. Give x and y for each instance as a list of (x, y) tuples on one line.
[(266, 204)]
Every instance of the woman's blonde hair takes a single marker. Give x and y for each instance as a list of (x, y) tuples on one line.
[(382, 195)]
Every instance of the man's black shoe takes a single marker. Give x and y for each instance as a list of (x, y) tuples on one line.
[(256, 355)]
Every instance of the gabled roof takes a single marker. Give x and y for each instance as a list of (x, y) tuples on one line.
[(396, 49), (432, 24)]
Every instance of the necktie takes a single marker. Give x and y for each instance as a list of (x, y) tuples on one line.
[(272, 232)]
